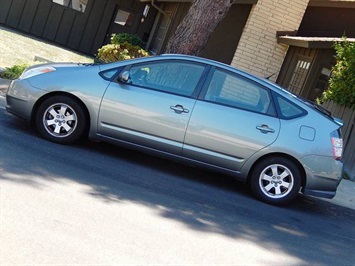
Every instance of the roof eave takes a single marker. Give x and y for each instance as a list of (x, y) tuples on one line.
[(311, 42)]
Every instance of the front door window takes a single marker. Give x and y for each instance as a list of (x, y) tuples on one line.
[(173, 77)]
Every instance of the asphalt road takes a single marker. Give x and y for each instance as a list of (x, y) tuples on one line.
[(93, 203)]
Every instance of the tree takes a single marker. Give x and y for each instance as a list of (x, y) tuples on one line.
[(199, 23), (342, 81)]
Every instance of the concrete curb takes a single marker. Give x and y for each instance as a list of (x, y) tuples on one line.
[(4, 84), (345, 195)]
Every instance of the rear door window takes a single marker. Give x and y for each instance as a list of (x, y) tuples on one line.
[(232, 90)]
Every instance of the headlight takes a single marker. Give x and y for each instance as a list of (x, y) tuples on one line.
[(36, 71)]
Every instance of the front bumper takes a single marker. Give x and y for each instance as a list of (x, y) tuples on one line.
[(21, 97)]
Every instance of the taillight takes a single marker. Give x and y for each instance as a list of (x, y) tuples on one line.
[(337, 143)]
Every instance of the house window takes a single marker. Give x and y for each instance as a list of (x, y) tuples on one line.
[(79, 5), (299, 75), (124, 18)]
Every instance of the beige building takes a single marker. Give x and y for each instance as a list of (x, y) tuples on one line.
[(258, 51)]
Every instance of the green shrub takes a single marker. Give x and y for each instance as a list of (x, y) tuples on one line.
[(123, 46), (119, 38), (118, 52), (342, 81), (13, 72)]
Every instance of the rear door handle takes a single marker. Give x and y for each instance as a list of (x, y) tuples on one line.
[(179, 109), (265, 129)]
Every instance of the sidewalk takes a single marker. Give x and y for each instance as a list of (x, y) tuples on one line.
[(345, 194)]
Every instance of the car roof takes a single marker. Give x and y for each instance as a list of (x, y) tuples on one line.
[(183, 57), (260, 80)]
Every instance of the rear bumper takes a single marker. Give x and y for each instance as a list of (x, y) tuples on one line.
[(323, 175)]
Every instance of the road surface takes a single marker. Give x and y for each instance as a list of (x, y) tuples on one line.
[(94, 203)]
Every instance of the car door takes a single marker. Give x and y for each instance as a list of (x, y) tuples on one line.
[(234, 118), (153, 106)]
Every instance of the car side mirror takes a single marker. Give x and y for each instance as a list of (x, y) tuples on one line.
[(124, 77)]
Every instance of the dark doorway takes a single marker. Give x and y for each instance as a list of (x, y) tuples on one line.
[(223, 42), (133, 19), (306, 71)]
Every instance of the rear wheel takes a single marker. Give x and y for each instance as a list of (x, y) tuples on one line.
[(276, 180), (61, 119)]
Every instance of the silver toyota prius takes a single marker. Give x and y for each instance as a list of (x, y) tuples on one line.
[(192, 109)]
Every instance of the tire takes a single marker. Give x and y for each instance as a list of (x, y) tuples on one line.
[(61, 119), (275, 180)]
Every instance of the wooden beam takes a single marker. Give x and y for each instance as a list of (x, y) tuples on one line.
[(332, 3)]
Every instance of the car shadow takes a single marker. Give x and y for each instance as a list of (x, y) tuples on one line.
[(201, 200)]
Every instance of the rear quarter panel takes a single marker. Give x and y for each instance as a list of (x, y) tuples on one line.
[(303, 145)]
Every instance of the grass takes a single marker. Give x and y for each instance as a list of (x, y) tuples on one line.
[(19, 49)]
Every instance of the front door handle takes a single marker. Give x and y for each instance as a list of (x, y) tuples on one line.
[(179, 109), (265, 129)]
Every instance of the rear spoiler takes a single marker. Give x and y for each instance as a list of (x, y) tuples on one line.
[(338, 121)]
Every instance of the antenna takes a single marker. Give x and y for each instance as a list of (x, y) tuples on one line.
[(268, 77)]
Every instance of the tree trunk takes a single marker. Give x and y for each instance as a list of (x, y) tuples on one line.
[(199, 23)]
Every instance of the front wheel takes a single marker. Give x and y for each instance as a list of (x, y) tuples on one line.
[(275, 180), (61, 119)]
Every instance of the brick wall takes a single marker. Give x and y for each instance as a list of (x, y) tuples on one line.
[(258, 51)]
